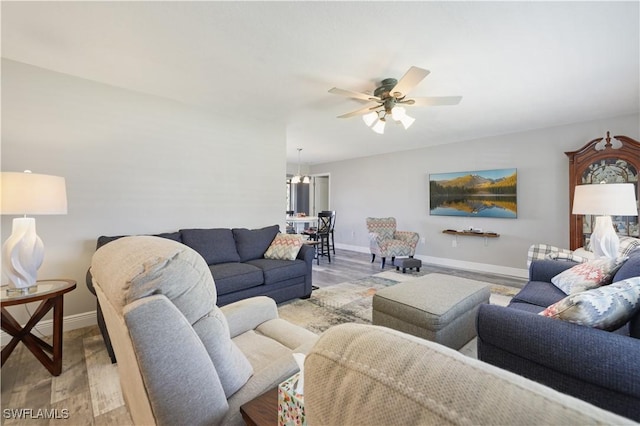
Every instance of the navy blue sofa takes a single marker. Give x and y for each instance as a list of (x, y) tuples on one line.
[(236, 260), (598, 366)]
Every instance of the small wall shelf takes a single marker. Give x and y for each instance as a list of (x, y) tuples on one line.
[(485, 235), (471, 233)]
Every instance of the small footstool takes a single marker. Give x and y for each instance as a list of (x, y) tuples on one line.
[(437, 307), (407, 263)]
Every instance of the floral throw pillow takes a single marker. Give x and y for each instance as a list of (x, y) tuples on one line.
[(606, 308), (591, 274), (284, 247)]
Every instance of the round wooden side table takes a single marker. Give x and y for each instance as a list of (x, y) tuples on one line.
[(51, 293)]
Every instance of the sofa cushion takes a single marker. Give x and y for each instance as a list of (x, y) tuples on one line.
[(279, 270), (607, 307), (215, 245), (230, 277), (252, 243), (591, 274), (102, 240), (539, 293), (284, 247), (528, 307), (630, 268)]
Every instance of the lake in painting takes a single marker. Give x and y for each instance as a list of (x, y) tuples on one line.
[(485, 193)]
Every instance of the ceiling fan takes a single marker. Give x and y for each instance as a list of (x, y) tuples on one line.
[(389, 99)]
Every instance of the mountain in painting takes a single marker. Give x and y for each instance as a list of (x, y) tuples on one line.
[(467, 181), (475, 184)]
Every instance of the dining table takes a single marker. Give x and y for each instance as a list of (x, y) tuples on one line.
[(300, 223)]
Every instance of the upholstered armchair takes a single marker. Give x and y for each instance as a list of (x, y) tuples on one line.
[(368, 375), (385, 241), (181, 359)]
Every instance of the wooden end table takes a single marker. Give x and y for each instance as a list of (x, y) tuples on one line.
[(51, 293), (263, 410)]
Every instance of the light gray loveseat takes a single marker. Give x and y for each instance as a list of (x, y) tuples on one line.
[(181, 358)]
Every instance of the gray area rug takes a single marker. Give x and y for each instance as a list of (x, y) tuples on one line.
[(351, 301)]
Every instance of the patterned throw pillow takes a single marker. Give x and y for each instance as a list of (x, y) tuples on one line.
[(606, 308), (284, 247), (585, 276)]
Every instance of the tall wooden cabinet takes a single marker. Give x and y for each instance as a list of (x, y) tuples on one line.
[(613, 160)]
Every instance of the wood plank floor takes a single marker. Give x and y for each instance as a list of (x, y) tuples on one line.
[(88, 391)]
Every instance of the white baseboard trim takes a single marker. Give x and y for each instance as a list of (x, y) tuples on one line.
[(358, 249), (453, 263), (474, 266), (45, 327)]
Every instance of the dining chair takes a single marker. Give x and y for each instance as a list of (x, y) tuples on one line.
[(333, 225), (322, 233)]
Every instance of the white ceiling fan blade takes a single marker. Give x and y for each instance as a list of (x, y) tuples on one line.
[(410, 80), (359, 111), (433, 101), (352, 94)]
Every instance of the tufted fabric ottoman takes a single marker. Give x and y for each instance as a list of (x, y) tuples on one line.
[(437, 307)]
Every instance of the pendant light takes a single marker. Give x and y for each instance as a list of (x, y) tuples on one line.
[(298, 178)]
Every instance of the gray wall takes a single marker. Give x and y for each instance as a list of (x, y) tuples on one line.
[(133, 164), (397, 185), (142, 164)]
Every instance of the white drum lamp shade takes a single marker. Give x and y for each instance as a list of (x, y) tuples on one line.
[(604, 201), (27, 194)]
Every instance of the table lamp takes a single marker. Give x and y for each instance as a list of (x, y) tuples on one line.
[(23, 194), (605, 200)]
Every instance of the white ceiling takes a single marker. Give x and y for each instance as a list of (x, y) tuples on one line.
[(518, 65)]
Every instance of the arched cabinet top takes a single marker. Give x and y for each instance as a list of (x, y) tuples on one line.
[(612, 159)]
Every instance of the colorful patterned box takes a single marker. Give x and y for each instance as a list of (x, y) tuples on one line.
[(290, 403)]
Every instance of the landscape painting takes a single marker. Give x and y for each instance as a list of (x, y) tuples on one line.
[(485, 193)]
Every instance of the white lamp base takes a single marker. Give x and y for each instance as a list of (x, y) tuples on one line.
[(604, 240), (22, 254)]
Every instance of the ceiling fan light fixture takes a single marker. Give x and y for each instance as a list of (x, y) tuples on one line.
[(379, 127), (388, 96), (398, 113), (370, 118), (407, 121)]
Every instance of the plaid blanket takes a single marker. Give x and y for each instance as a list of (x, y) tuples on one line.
[(627, 245), (546, 251)]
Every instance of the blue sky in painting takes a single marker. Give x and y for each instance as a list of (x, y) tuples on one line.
[(489, 174)]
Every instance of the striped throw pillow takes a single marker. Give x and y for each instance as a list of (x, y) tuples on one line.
[(284, 247)]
